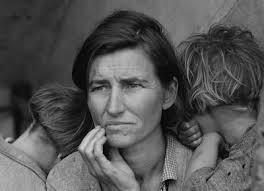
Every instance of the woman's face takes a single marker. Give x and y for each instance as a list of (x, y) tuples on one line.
[(125, 96)]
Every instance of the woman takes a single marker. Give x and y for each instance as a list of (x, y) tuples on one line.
[(134, 85), (59, 124)]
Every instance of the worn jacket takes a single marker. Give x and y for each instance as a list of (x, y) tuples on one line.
[(72, 174), (233, 173), (18, 172)]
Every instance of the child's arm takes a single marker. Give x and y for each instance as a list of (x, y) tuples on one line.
[(205, 155), (232, 172)]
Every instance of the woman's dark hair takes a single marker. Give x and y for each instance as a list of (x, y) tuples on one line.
[(130, 29), (63, 114)]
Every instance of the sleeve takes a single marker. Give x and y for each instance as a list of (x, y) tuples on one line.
[(71, 174), (258, 172), (232, 173)]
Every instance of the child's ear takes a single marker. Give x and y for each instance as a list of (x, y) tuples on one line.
[(170, 94)]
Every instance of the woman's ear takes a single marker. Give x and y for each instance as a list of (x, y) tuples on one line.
[(170, 95)]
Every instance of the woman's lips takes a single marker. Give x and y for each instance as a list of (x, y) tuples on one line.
[(117, 126), (110, 123)]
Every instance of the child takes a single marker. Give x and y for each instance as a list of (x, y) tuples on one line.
[(224, 68), (59, 123)]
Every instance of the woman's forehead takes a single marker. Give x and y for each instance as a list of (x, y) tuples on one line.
[(125, 63)]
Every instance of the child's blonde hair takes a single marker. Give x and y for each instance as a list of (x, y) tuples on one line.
[(223, 66)]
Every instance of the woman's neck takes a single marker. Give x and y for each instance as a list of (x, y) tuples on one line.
[(146, 158), (45, 155)]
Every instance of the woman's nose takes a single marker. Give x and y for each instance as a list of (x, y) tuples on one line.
[(115, 104)]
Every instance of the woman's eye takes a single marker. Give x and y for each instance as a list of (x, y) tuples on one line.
[(133, 85), (97, 88)]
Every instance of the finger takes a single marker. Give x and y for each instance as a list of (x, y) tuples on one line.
[(98, 151), (88, 137), (107, 165), (97, 155), (191, 123), (193, 138), (88, 164), (87, 151), (196, 143), (108, 186), (83, 145), (98, 147), (186, 125), (195, 126), (110, 170), (100, 159), (88, 148), (191, 131)]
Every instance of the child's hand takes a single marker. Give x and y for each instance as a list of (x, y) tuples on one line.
[(190, 134)]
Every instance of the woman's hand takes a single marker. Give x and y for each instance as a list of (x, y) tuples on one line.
[(113, 174), (190, 134)]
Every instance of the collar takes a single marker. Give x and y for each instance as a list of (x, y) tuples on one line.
[(176, 159)]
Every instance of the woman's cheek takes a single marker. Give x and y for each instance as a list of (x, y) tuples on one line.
[(147, 105), (96, 109)]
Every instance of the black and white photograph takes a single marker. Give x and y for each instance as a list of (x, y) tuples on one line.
[(131, 95)]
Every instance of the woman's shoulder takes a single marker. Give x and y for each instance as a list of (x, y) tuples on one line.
[(71, 174)]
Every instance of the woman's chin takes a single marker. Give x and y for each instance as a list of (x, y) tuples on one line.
[(119, 141)]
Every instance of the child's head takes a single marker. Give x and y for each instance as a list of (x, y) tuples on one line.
[(223, 66), (62, 113)]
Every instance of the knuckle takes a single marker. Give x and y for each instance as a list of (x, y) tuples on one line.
[(97, 155), (199, 133), (193, 129), (196, 136), (187, 125), (194, 143), (192, 132), (81, 148), (193, 137), (188, 134), (197, 127), (89, 154), (197, 142)]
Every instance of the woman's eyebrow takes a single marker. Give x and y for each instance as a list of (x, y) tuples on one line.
[(92, 82), (134, 79)]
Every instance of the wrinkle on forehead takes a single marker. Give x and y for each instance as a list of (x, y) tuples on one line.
[(121, 64), (121, 70)]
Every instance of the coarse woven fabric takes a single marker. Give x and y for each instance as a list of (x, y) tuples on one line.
[(18, 172), (233, 173)]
